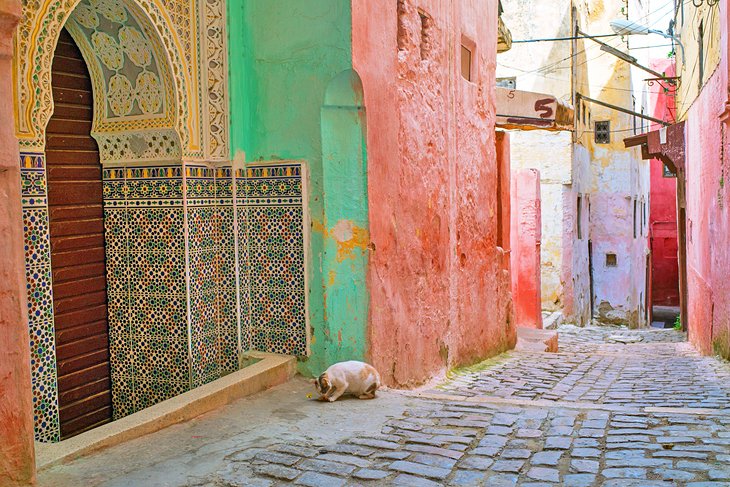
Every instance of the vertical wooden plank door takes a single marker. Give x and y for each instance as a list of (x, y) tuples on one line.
[(77, 247)]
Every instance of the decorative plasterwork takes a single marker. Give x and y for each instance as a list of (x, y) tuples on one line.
[(215, 74), (162, 25)]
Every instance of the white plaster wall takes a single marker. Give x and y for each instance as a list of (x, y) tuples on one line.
[(618, 176), (608, 177), (551, 153), (542, 67)]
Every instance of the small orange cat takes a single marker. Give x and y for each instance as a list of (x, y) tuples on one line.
[(351, 377)]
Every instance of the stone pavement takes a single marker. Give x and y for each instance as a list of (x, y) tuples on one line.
[(598, 413)]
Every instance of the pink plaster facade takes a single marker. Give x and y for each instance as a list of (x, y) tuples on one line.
[(439, 294), (708, 212), (17, 458), (663, 239), (525, 257)]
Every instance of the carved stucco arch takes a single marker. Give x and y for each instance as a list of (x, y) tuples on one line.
[(34, 47)]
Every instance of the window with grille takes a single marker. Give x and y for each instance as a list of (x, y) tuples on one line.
[(603, 132)]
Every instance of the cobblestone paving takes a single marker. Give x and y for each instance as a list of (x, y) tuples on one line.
[(537, 435), (659, 371), (456, 443)]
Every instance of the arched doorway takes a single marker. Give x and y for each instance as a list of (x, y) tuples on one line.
[(77, 247)]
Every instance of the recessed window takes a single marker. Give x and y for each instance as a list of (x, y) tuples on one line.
[(701, 46), (402, 30), (603, 132), (579, 217), (466, 62), (611, 260), (634, 218), (510, 82), (426, 35)]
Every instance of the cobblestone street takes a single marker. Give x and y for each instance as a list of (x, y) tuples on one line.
[(600, 412)]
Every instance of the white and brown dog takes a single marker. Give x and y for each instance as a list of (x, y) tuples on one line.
[(351, 377)]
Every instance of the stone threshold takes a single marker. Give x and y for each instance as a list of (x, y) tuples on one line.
[(542, 403), (269, 371)]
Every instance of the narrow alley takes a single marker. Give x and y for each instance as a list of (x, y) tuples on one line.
[(508, 219), (647, 412)]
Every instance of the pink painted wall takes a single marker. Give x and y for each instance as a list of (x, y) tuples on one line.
[(525, 236), (708, 215), (17, 457), (439, 296), (575, 268), (663, 203)]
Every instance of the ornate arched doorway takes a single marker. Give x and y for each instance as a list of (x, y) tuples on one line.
[(76, 226)]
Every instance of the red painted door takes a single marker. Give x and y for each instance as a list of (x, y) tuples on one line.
[(665, 264), (77, 247)]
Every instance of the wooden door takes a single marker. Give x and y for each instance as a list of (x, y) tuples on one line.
[(77, 247)]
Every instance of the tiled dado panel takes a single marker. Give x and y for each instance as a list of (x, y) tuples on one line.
[(40, 297), (271, 258), (145, 247), (214, 329), (180, 311)]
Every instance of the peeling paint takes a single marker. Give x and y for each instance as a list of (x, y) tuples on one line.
[(432, 186)]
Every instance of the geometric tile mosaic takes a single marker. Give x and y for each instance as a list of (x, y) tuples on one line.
[(271, 205), (39, 287), (196, 275), (145, 246)]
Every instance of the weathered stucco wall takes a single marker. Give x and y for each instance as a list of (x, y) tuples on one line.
[(708, 218), (545, 67), (576, 270), (708, 225), (663, 237), (619, 178), (17, 456), (525, 247), (285, 58), (439, 297), (551, 153)]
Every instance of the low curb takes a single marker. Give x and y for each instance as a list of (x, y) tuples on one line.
[(271, 370)]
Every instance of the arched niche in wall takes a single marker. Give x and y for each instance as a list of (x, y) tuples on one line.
[(347, 238)]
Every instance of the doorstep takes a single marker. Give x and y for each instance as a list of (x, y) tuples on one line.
[(271, 370)]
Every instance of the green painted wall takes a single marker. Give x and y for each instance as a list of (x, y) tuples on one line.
[(283, 55), (347, 236)]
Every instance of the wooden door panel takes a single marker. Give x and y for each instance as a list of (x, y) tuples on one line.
[(77, 247)]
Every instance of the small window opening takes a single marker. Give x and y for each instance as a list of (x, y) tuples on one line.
[(611, 260), (603, 132), (701, 60), (634, 218), (579, 217), (510, 82), (402, 31), (466, 62), (426, 35)]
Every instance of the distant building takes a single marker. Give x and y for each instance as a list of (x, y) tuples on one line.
[(594, 191)]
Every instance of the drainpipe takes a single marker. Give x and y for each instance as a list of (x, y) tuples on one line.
[(17, 455)]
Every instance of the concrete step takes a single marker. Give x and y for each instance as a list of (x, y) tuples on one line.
[(270, 370), (534, 340)]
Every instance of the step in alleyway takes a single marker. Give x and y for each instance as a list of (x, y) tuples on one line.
[(614, 407)]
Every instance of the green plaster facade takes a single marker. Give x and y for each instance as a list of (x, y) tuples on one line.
[(283, 57)]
